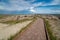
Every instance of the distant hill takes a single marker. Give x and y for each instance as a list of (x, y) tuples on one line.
[(58, 15)]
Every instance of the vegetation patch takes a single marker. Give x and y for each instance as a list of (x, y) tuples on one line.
[(2, 15), (9, 32), (15, 21), (11, 37), (51, 36)]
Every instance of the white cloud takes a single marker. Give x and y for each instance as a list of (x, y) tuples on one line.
[(44, 10), (54, 2), (16, 5), (22, 5), (37, 4), (32, 9), (1, 7)]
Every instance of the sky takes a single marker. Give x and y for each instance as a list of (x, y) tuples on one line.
[(29, 6)]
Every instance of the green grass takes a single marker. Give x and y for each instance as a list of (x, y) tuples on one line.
[(49, 31), (2, 16), (15, 21)]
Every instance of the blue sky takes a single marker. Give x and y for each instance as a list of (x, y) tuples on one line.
[(30, 6)]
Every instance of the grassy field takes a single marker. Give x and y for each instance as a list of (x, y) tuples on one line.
[(52, 23), (10, 19), (11, 30), (13, 27), (3, 15), (51, 36), (15, 21)]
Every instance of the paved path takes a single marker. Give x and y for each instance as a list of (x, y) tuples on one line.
[(34, 31)]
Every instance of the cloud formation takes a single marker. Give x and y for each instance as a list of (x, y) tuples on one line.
[(31, 5)]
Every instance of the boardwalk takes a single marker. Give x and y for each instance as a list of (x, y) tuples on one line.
[(34, 31)]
